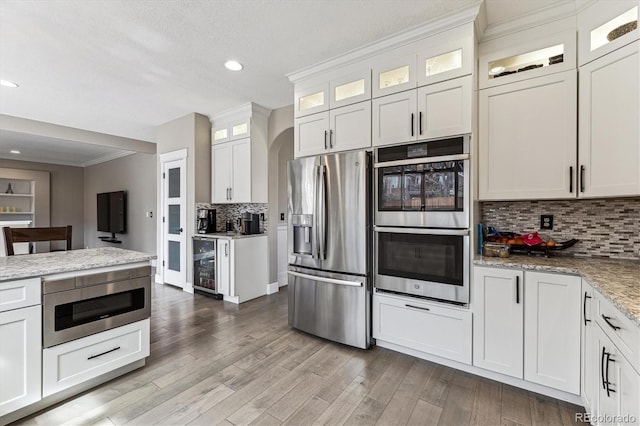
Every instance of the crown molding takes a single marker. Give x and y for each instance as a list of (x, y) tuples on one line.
[(244, 110), (108, 157), (555, 12), (386, 44)]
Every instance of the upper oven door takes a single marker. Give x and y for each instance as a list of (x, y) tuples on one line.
[(422, 191), (425, 262)]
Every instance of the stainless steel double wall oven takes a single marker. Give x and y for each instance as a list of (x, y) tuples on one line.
[(422, 219)]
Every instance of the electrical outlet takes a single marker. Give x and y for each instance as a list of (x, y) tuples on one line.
[(546, 221), (281, 216)]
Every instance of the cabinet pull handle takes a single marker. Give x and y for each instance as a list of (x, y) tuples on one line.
[(416, 307), (606, 319), (325, 139), (584, 308), (230, 193), (571, 179), (581, 178), (517, 289), (103, 353), (412, 123), (607, 373), (602, 368), (331, 138), (420, 121), (226, 249)]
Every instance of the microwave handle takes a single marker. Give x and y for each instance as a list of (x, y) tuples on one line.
[(422, 231)]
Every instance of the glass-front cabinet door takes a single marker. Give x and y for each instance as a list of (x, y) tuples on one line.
[(392, 74), (446, 55), (350, 89), (310, 99)]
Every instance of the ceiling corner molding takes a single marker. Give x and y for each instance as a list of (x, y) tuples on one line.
[(552, 13), (40, 128), (481, 21), (106, 158), (386, 44)]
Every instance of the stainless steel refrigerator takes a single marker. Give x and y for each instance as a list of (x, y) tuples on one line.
[(329, 246)]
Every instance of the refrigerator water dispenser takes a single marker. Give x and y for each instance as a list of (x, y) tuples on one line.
[(302, 233)]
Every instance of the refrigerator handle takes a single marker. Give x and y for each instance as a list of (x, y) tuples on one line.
[(315, 249), (323, 212)]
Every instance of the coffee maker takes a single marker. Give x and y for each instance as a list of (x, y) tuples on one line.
[(250, 223), (206, 221)]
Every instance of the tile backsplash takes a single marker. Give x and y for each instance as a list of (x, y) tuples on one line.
[(604, 227), (232, 212)]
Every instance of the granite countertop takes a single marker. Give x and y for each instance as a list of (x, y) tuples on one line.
[(228, 235), (40, 264), (618, 280)]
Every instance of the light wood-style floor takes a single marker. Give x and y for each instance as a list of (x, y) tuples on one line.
[(217, 363)]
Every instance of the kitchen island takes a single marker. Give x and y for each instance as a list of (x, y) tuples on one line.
[(69, 321)]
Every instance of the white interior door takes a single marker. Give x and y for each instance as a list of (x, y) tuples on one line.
[(174, 184)]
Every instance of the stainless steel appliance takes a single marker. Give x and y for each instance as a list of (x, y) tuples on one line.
[(424, 184), (425, 262), (204, 266), (250, 224), (80, 306), (206, 221), (329, 246)]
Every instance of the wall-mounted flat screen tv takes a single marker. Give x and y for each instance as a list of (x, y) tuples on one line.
[(112, 212)]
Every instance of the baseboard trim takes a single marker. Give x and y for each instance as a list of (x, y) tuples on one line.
[(158, 279), (272, 288), (519, 383), (283, 279)]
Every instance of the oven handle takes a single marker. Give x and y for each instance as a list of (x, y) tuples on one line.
[(421, 160), (421, 231)]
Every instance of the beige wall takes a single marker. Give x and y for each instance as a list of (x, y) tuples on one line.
[(66, 196), (280, 134), (284, 155), (135, 174), (193, 133)]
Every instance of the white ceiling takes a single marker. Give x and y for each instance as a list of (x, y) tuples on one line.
[(124, 67)]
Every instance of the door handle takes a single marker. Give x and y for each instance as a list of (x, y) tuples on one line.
[(571, 179), (606, 319), (581, 178), (325, 139), (412, 123), (326, 280), (602, 367), (226, 249), (517, 289), (420, 122), (230, 194), (180, 230), (584, 308), (331, 138), (417, 307), (103, 353), (607, 374)]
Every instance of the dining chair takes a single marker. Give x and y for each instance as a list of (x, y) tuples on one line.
[(34, 235)]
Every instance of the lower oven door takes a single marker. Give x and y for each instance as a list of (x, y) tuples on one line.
[(72, 314), (432, 263)]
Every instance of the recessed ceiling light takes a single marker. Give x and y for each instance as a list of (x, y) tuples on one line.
[(233, 65), (6, 83), (14, 151), (496, 70)]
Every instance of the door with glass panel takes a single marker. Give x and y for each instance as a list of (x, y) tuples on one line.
[(174, 222)]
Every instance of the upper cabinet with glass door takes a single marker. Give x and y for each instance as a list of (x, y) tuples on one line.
[(443, 56), (521, 57), (230, 126), (606, 26), (333, 90)]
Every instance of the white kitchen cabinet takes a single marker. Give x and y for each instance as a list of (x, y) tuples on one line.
[(618, 384), (242, 268), (393, 73), (527, 325), (597, 21), (20, 358), (239, 159), (341, 129), (77, 361), (447, 55), (527, 139), (552, 330), (609, 152), (223, 267), (231, 176), (423, 326), (394, 118), (588, 356), (498, 330), (444, 109)]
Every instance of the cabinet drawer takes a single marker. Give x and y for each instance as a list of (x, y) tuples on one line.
[(75, 362), (620, 329), (423, 326), (19, 294)]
